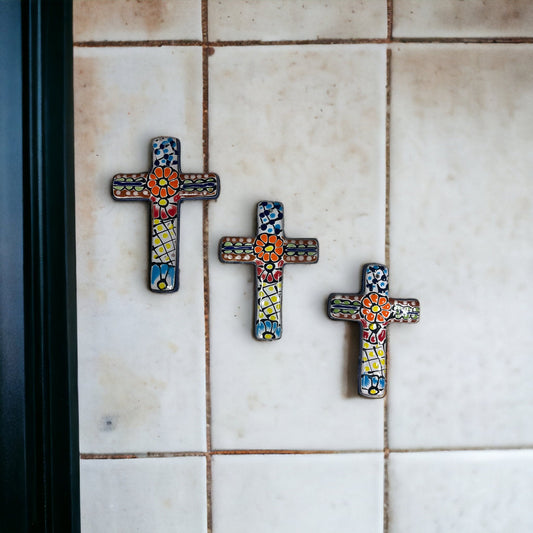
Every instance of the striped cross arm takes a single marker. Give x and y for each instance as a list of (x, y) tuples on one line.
[(405, 310), (130, 186), (236, 250), (344, 307), (301, 251), (199, 186)]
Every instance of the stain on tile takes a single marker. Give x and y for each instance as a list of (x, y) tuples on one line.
[(136, 20), (460, 18), (133, 396)]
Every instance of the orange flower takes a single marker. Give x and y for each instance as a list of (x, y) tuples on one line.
[(268, 248), (163, 182), (375, 308)]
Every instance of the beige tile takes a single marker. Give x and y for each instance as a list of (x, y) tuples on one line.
[(457, 18), (305, 127), (461, 492), (136, 20), (271, 20), (143, 495), (312, 493), (461, 219), (141, 354)]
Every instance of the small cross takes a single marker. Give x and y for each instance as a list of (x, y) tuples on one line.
[(165, 186), (269, 251), (373, 308)]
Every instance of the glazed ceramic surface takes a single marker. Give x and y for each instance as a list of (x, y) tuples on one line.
[(268, 251), (165, 186), (374, 310)]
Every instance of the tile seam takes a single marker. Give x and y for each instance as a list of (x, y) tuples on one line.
[(306, 42), (205, 230), (386, 450), (159, 455), (390, 15)]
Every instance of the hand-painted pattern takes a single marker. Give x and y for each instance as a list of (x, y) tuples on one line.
[(373, 308), (165, 187), (268, 251)]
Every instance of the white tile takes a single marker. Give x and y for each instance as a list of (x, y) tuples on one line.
[(305, 127), (457, 18), (141, 354), (311, 493), (271, 20), (136, 20), (461, 492), (143, 495), (461, 219)]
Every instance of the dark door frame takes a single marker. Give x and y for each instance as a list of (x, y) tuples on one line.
[(39, 451)]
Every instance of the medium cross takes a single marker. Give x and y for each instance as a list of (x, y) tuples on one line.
[(268, 251), (373, 308), (165, 186)]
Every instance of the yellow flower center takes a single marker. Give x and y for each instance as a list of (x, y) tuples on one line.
[(375, 308)]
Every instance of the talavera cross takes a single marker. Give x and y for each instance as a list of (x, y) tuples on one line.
[(373, 308), (165, 186), (268, 251)]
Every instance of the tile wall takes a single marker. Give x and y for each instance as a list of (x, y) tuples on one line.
[(395, 132)]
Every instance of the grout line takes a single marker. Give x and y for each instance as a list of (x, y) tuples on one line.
[(388, 40), (290, 452), (464, 449), (134, 44), (155, 455), (386, 449), (205, 227), (463, 40), (143, 455), (390, 18)]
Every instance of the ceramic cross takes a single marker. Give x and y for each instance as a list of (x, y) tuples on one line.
[(268, 251), (373, 308), (165, 186)]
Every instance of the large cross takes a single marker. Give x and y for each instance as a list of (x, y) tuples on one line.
[(268, 251), (373, 308), (165, 186)]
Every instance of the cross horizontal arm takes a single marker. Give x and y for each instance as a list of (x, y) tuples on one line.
[(236, 250), (130, 186), (301, 250), (405, 310), (344, 307), (199, 186)]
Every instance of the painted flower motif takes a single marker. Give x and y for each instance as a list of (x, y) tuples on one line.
[(372, 384), (375, 308), (268, 248), (269, 272), (162, 277), (268, 330), (163, 183)]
